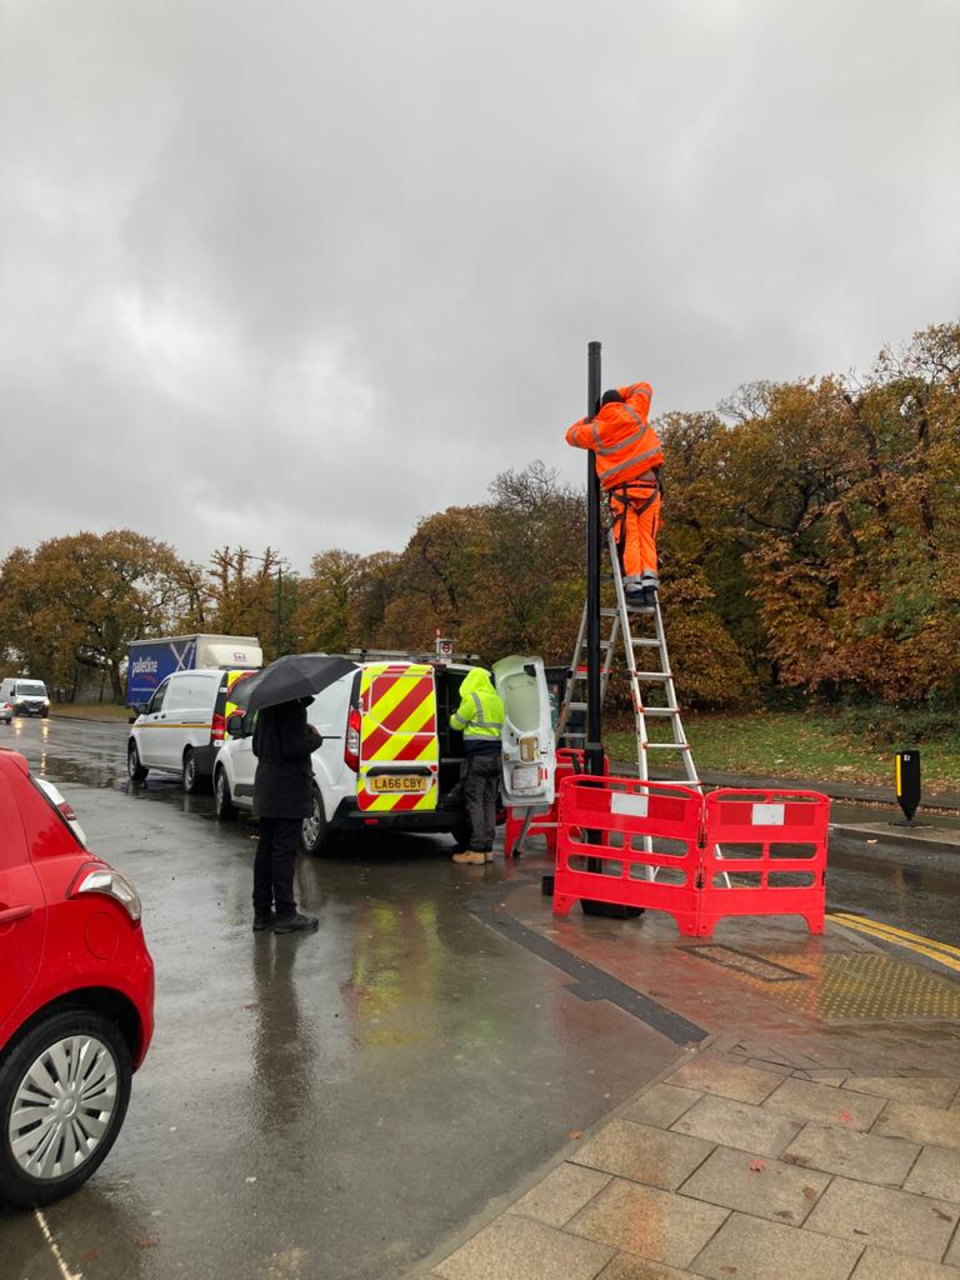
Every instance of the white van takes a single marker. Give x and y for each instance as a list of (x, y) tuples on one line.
[(181, 729), (26, 697), (389, 758)]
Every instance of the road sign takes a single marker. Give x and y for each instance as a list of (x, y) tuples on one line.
[(908, 782), (444, 648)]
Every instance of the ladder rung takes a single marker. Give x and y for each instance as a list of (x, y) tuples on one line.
[(652, 675), (576, 706), (666, 746), (645, 640), (659, 711), (609, 613)]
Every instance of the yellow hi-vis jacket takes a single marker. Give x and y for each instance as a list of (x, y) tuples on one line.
[(480, 714)]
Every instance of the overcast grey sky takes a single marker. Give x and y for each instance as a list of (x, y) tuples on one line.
[(301, 272)]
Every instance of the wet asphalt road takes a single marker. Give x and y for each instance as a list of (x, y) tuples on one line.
[(328, 1106)]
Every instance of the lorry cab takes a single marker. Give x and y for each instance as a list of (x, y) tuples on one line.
[(389, 757)]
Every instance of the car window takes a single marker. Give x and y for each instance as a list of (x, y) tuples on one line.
[(31, 689), (156, 702)]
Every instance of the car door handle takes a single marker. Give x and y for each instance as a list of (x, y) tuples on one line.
[(10, 915)]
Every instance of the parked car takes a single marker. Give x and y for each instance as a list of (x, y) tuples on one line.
[(182, 727), (27, 697), (6, 711), (76, 999), (389, 758)]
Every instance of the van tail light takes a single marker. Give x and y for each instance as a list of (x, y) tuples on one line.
[(97, 877), (218, 727), (351, 745)]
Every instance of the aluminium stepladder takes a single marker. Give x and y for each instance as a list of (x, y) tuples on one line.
[(655, 674)]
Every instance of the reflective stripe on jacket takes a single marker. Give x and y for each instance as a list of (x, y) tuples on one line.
[(624, 444), (480, 714)]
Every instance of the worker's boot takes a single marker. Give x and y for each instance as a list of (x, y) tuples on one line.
[(471, 857)]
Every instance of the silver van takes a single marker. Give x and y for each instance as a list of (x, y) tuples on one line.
[(26, 697)]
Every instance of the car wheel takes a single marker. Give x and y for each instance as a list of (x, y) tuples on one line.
[(314, 837), (135, 770), (222, 799), (191, 775), (44, 715), (63, 1095)]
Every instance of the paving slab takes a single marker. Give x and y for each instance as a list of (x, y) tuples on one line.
[(920, 1124), (766, 1188), (714, 1075), (807, 1100), (750, 1249), (737, 1124), (513, 1248), (863, 1156), (627, 1267), (930, 1091), (662, 1105), (561, 1194), (936, 1173), (643, 1154), (656, 1224), (880, 1264), (913, 1225)]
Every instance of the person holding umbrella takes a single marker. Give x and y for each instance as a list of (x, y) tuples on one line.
[(283, 743)]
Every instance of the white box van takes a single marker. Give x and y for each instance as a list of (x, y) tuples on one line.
[(182, 727), (389, 758), (26, 697)]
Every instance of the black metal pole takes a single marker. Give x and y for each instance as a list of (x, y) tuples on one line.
[(279, 607), (594, 745)]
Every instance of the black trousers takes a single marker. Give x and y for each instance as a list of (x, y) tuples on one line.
[(480, 792), (273, 866)]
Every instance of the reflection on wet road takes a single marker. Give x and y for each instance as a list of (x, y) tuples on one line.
[(333, 1105), (922, 895)]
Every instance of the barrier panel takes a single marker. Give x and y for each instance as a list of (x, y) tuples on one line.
[(772, 847), (569, 762), (663, 846), (630, 843)]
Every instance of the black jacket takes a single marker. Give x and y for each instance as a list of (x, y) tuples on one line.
[(282, 743)]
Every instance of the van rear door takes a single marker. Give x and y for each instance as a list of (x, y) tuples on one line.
[(529, 746), (399, 746)]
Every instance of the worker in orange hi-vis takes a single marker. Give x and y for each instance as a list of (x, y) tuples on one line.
[(628, 457)]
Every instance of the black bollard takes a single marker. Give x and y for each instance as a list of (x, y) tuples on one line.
[(908, 784)]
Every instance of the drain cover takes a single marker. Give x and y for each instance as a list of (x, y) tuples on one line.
[(750, 966)]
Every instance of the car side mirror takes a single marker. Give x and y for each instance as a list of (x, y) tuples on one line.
[(236, 724), (140, 709)]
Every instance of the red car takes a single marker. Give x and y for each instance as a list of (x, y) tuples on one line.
[(76, 994)]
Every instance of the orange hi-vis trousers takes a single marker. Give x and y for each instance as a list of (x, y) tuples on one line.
[(636, 521)]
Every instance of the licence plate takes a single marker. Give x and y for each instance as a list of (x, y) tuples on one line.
[(393, 782)]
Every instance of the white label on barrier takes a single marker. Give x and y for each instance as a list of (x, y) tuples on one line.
[(768, 815), (630, 805)]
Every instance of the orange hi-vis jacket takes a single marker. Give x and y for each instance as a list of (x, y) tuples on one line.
[(624, 445)]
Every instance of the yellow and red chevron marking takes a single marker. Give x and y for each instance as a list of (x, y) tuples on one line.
[(398, 723)]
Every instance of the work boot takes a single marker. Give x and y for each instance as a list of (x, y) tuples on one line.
[(636, 598), (263, 920), (471, 857), (296, 923), (650, 597), (488, 853)]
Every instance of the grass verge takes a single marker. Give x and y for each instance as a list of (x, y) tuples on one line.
[(90, 711), (799, 744)]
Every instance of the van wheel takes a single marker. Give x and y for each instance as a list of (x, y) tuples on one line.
[(222, 799), (314, 837), (191, 775), (63, 1095), (135, 770)]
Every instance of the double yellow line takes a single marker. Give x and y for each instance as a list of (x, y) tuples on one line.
[(942, 952)]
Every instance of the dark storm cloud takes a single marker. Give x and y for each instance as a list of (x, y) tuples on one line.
[(302, 273)]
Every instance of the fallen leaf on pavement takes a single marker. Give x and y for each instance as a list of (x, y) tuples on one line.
[(574, 1133), (810, 1193), (846, 1117), (758, 1166)]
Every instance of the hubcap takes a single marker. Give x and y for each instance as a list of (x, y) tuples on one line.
[(221, 790), (312, 827), (63, 1107), (132, 761)]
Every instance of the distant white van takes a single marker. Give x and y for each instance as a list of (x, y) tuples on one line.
[(26, 697), (180, 730)]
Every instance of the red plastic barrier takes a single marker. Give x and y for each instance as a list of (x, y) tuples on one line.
[(545, 823), (765, 842), (639, 830)]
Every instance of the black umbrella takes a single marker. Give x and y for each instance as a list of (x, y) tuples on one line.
[(296, 676)]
